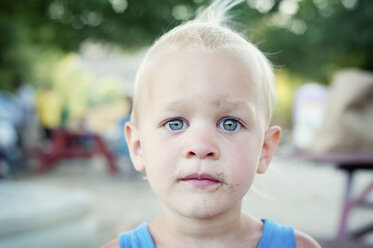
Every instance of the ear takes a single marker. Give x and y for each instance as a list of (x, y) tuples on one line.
[(134, 145), (271, 140)]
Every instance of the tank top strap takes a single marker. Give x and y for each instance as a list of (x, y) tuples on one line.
[(136, 238), (276, 236)]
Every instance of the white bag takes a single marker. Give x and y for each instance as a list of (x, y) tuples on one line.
[(347, 126)]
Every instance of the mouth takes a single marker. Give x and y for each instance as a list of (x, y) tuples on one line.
[(201, 180)]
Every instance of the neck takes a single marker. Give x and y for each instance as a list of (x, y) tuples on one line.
[(174, 230)]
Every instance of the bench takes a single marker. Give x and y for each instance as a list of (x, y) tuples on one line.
[(349, 163)]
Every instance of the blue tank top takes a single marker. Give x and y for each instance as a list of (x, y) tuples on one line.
[(274, 236), (137, 238)]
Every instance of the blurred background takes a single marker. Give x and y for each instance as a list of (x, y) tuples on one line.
[(67, 70)]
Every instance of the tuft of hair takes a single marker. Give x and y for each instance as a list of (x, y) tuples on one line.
[(208, 31), (217, 12)]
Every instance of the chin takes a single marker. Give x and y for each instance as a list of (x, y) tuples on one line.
[(200, 216), (202, 211)]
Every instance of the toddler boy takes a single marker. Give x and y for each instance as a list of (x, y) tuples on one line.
[(200, 129)]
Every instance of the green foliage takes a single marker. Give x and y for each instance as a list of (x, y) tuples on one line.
[(318, 38), (62, 25), (334, 37)]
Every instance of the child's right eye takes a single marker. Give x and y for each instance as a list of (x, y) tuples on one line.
[(175, 125)]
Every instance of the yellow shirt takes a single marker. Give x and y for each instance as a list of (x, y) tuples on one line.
[(49, 106)]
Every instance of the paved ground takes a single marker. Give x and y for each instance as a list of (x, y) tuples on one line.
[(304, 195)]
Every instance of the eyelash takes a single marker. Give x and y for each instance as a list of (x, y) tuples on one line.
[(238, 122), (184, 125), (168, 122)]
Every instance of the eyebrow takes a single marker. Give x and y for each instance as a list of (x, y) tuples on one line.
[(179, 105), (184, 106), (239, 106)]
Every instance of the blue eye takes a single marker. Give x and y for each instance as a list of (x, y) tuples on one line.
[(175, 125), (229, 124)]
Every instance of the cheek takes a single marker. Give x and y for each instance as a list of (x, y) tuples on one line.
[(160, 155), (244, 159), (244, 169), (156, 167), (159, 146)]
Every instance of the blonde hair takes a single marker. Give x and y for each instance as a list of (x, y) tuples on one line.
[(209, 31)]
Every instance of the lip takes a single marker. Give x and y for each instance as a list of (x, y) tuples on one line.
[(201, 180)]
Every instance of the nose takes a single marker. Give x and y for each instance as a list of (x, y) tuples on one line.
[(202, 145)]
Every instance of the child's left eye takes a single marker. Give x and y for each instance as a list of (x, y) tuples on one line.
[(229, 124)]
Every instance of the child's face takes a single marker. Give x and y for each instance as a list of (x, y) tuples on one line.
[(201, 132)]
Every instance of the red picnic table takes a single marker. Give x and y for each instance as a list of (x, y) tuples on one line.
[(349, 163), (65, 144)]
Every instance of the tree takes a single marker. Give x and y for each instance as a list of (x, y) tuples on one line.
[(321, 38), (309, 38)]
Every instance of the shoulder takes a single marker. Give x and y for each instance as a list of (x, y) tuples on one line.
[(111, 244), (303, 240)]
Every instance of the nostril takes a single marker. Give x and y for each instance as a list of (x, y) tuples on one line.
[(201, 152), (191, 154), (210, 154), (201, 155)]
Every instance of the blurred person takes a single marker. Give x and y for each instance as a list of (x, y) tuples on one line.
[(25, 97), (200, 129), (65, 115), (10, 121), (122, 146), (49, 105)]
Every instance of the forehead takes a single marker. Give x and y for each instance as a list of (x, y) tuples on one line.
[(198, 68), (220, 77)]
